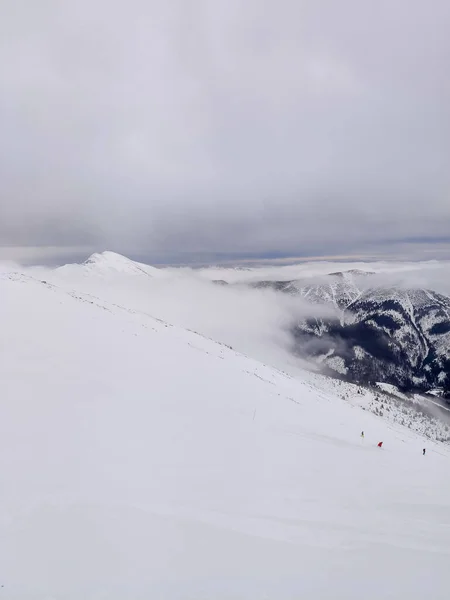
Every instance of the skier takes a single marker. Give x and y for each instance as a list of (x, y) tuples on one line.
[(362, 434), (423, 451), (380, 444)]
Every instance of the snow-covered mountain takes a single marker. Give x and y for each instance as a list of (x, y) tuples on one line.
[(106, 265), (140, 460), (387, 334)]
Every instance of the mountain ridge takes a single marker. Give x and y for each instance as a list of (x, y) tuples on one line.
[(387, 334)]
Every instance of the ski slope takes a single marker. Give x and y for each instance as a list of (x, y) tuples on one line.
[(140, 460)]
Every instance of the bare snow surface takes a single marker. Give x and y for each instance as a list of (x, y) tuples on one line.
[(142, 461)]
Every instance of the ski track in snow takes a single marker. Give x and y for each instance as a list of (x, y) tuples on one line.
[(140, 460)]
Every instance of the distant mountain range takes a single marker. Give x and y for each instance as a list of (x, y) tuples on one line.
[(374, 334)]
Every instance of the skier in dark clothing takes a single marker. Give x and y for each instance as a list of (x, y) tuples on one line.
[(423, 451)]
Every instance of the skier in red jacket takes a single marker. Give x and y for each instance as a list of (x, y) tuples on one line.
[(380, 444)]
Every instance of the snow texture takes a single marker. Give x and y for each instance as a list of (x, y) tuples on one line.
[(140, 460)]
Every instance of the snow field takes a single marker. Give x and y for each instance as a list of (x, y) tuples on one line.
[(140, 460)]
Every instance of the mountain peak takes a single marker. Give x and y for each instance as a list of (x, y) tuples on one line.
[(111, 260), (109, 263)]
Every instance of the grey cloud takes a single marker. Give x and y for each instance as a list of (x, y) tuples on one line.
[(230, 126)]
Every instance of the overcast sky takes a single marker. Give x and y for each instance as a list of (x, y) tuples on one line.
[(188, 127)]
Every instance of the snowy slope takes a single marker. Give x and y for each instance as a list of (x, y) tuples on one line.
[(140, 460), (257, 323), (253, 323)]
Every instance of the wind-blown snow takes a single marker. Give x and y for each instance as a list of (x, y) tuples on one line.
[(140, 460)]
